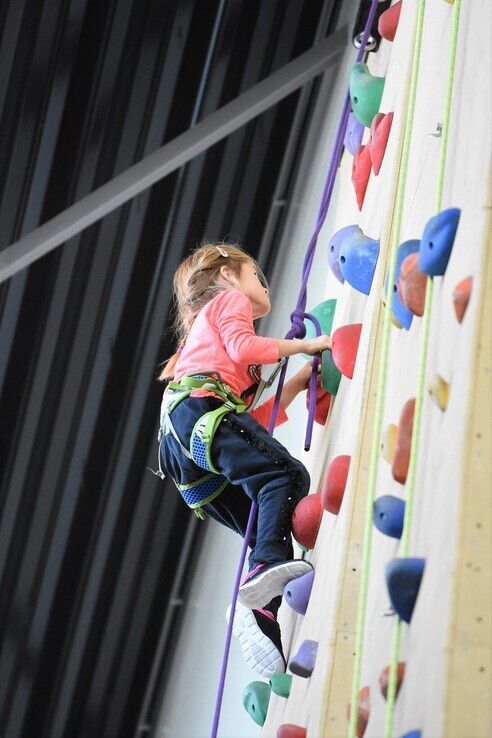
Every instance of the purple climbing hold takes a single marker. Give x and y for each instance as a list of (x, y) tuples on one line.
[(302, 664), (353, 135), (298, 591), (437, 241), (388, 515), (403, 577), (334, 249), (413, 734)]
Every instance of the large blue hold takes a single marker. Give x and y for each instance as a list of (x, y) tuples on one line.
[(334, 249), (298, 591), (388, 515), (358, 259), (400, 311), (403, 577), (353, 134), (437, 241)]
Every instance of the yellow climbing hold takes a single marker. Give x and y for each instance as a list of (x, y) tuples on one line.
[(388, 442), (439, 391)]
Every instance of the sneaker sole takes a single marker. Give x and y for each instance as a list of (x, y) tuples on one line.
[(259, 652), (271, 583)]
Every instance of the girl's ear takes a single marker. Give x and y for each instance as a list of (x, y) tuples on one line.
[(227, 274)]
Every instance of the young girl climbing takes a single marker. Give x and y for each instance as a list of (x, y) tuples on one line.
[(215, 445)]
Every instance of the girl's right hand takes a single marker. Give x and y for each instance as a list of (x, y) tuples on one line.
[(316, 345)]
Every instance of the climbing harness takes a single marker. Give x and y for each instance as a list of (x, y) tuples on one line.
[(198, 493)]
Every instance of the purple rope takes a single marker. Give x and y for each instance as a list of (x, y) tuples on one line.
[(297, 330)]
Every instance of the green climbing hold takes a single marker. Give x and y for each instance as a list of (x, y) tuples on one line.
[(281, 684), (324, 313), (256, 697), (330, 375), (366, 92)]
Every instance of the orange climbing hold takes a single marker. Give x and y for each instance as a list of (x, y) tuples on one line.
[(345, 342), (384, 678), (361, 171), (412, 285), (289, 730), (323, 404), (388, 21), (399, 468), (306, 520), (461, 297), (334, 484), (380, 131), (363, 710)]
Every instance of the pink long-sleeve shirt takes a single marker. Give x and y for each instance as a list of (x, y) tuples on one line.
[(223, 339)]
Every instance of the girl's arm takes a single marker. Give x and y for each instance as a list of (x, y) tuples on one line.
[(292, 346)]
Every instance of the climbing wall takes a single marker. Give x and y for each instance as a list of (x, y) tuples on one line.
[(430, 611)]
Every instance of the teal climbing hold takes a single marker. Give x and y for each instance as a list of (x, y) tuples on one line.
[(403, 578), (437, 242), (366, 92), (256, 697), (403, 315), (358, 259), (280, 684), (330, 374), (388, 515), (324, 313)]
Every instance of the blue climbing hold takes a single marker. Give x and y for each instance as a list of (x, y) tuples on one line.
[(437, 242), (358, 259), (413, 734), (403, 577), (388, 515), (353, 134), (334, 249), (403, 315), (302, 663)]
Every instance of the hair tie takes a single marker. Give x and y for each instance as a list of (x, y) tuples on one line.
[(221, 251)]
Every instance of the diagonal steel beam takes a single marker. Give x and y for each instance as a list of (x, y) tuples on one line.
[(172, 155)]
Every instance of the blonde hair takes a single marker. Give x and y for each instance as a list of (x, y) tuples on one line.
[(197, 281)]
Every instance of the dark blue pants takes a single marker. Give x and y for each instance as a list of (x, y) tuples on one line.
[(258, 468)]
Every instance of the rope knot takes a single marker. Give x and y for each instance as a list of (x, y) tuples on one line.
[(298, 329)]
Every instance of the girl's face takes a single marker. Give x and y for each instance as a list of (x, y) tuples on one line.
[(254, 287)]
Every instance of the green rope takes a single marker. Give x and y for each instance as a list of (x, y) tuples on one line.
[(424, 344), (383, 370)]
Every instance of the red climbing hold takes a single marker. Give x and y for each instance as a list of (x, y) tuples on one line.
[(306, 520), (289, 730), (384, 678), (323, 402), (461, 297), (412, 285), (345, 342), (380, 131), (388, 21), (361, 170), (399, 468), (334, 484), (363, 709)]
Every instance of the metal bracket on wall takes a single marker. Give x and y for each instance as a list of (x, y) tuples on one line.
[(172, 155)]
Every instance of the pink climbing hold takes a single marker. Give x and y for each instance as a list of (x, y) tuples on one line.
[(334, 484), (289, 730), (380, 131), (401, 459), (323, 404), (345, 342), (361, 171), (412, 285), (306, 520), (388, 21), (384, 678), (363, 710), (461, 297)]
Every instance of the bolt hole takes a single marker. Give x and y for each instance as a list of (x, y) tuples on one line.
[(332, 248), (395, 288), (431, 244), (342, 259), (356, 100)]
